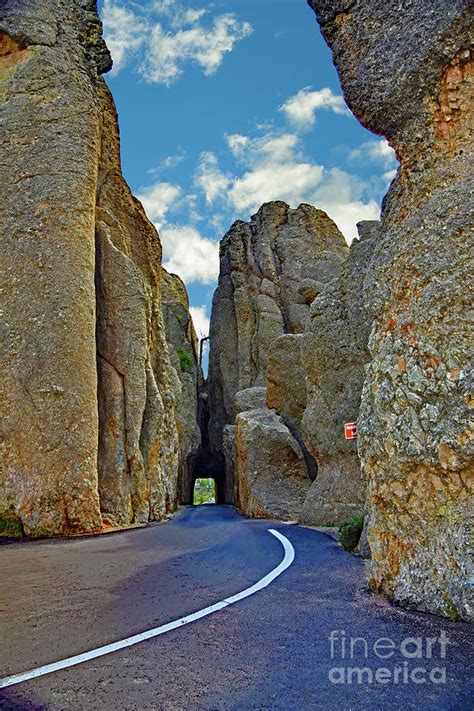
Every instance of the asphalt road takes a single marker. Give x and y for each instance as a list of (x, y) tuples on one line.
[(270, 651)]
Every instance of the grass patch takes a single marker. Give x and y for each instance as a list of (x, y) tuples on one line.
[(186, 362)]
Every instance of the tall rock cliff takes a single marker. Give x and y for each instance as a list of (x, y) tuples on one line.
[(88, 391), (407, 74), (334, 354), (268, 267), (183, 347)]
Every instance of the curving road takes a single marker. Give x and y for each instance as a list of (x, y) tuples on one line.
[(286, 646)]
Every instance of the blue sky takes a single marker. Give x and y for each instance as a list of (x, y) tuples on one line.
[(224, 106)]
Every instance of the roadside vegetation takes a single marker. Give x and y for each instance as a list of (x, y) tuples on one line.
[(204, 492), (350, 530)]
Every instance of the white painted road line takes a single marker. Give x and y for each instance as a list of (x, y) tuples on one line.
[(156, 631)]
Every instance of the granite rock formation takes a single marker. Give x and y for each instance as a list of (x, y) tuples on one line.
[(286, 379), (334, 353), (183, 347), (407, 74), (267, 267), (272, 479), (138, 388), (88, 391)]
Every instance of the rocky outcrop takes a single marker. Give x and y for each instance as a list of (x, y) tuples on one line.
[(408, 75), (286, 379), (334, 354), (268, 267), (183, 349), (88, 399), (138, 389), (250, 399), (271, 474)]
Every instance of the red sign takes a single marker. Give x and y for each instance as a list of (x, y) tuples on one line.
[(350, 430)]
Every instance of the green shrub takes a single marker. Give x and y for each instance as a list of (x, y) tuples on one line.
[(350, 530), (450, 608), (204, 491), (10, 526), (185, 360)]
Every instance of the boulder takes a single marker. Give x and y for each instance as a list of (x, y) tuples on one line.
[(271, 475), (250, 399), (286, 379)]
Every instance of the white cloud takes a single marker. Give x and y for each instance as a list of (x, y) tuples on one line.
[(158, 199), (190, 255), (168, 36), (301, 108), (200, 320), (346, 215), (124, 32), (209, 178), (388, 176), (176, 13), (272, 148), (340, 195), (168, 51), (276, 171), (378, 151), (237, 144), (291, 182), (168, 162)]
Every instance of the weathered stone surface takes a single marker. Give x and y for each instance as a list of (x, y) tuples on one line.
[(335, 494), (88, 392), (286, 379), (271, 475), (334, 354), (250, 399), (182, 340), (309, 289), (49, 155), (131, 339), (408, 75), (363, 548), (263, 265), (228, 443)]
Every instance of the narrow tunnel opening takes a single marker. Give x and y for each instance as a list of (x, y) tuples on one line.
[(204, 492)]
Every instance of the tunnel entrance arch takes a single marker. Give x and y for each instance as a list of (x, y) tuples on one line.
[(207, 464)]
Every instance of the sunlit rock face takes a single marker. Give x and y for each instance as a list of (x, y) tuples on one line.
[(268, 267), (89, 394), (408, 76)]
